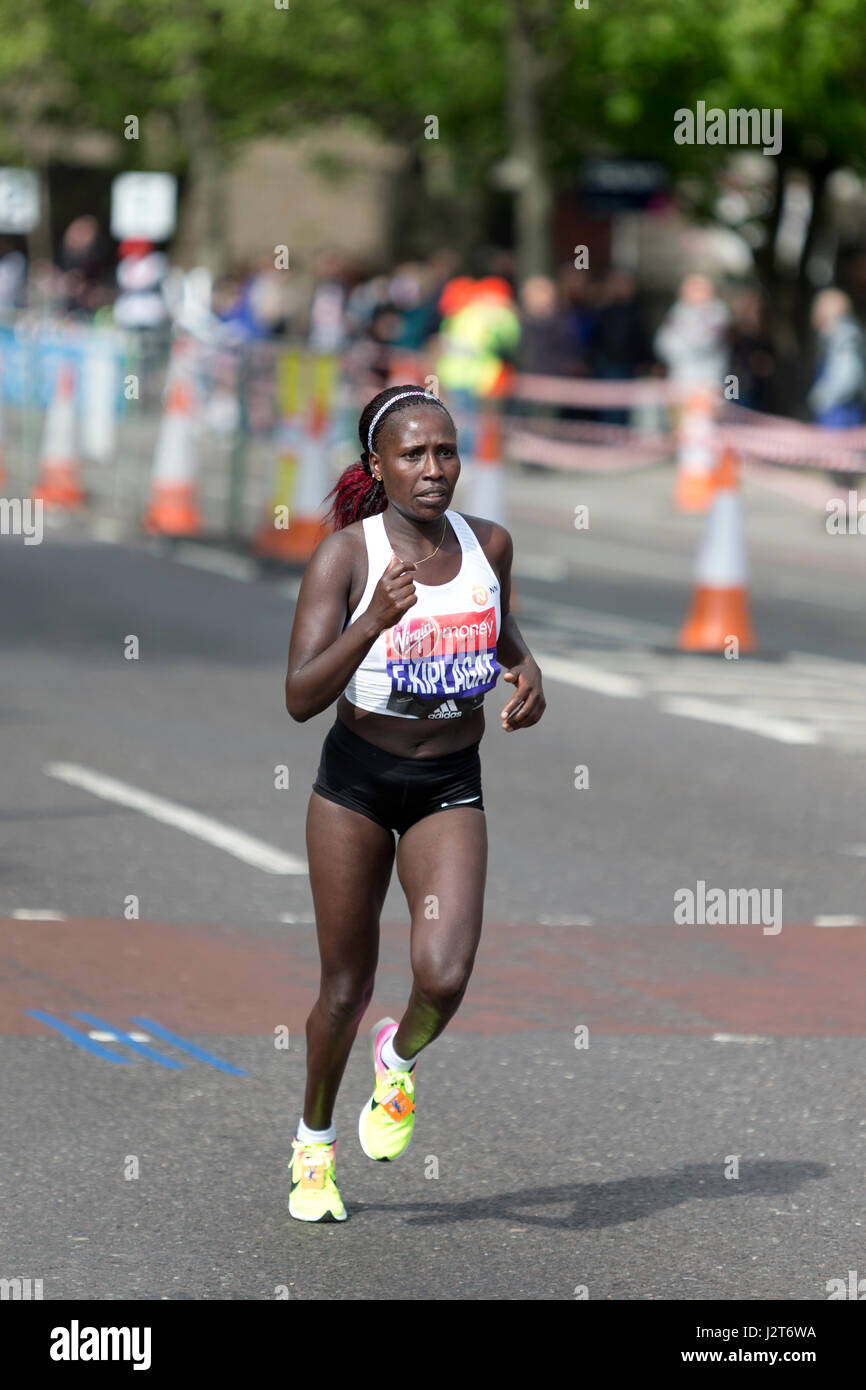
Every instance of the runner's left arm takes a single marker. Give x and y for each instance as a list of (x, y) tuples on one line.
[(527, 704)]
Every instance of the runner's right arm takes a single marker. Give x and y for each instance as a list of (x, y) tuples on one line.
[(322, 657)]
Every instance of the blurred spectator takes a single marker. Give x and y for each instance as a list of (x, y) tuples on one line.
[(502, 265), (13, 275), (410, 291), (836, 398), (269, 299), (693, 339), (381, 340), (85, 261), (576, 295), (546, 346), (141, 271), (480, 340), (620, 346), (327, 331), (254, 305), (362, 303), (477, 344), (456, 294), (444, 263), (753, 360)]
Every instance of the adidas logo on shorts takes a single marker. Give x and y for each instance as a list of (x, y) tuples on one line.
[(448, 710)]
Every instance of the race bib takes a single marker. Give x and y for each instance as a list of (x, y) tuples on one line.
[(442, 666)]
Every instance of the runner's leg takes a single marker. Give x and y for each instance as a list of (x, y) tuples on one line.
[(350, 859), (442, 866)]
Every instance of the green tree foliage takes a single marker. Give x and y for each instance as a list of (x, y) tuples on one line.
[(206, 74)]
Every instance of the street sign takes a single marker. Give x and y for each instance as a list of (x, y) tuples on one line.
[(19, 201), (620, 185), (143, 206)]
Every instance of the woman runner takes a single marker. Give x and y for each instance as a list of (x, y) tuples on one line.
[(408, 662)]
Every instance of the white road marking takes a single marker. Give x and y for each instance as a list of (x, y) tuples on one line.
[(38, 914), (107, 530), (560, 668), (812, 492), (98, 1035), (292, 918), (750, 721), (236, 842), (204, 557), (803, 701), (740, 1038), (568, 616), (842, 920), (632, 559), (547, 567)]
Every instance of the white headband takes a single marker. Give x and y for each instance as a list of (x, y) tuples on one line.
[(393, 401)]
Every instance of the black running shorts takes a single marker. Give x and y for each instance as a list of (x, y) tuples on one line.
[(395, 792)]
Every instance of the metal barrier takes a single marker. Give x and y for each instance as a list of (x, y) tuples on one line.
[(253, 403)]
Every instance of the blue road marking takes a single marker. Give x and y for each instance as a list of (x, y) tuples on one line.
[(80, 1039), (183, 1046), (141, 1048)]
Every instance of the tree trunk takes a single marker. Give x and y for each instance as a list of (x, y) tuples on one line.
[(533, 195), (818, 174), (765, 256), (205, 211)]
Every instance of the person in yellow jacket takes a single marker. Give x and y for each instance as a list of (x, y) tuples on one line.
[(478, 342)]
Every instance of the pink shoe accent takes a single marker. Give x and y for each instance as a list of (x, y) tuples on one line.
[(332, 1145), (387, 1032)]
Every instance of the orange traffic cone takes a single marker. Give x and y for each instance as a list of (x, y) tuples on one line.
[(295, 524), (405, 366), (59, 481), (488, 472), (487, 488), (173, 506), (292, 531), (720, 603), (695, 454)]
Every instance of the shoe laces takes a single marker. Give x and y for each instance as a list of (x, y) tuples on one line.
[(390, 1078), (318, 1152)]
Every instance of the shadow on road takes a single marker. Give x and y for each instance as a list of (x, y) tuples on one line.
[(598, 1204)]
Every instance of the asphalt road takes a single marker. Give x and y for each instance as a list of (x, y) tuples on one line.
[(559, 1166)]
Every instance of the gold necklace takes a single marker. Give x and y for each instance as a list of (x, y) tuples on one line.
[(432, 552)]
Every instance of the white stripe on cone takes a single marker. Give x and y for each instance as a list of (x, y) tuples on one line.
[(721, 562), (719, 610), (312, 478), (99, 386), (487, 486), (58, 436), (175, 459)]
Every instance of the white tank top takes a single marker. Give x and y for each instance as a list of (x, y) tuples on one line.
[(439, 660)]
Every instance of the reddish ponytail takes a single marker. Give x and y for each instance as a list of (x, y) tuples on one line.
[(357, 494)]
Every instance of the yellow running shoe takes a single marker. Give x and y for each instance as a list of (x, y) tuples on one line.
[(387, 1120), (314, 1195)]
